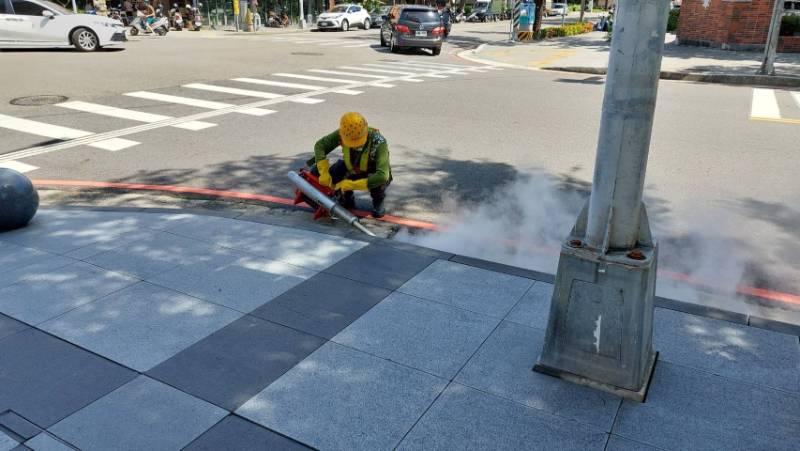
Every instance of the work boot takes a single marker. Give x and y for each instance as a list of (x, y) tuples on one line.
[(377, 210), (348, 200)]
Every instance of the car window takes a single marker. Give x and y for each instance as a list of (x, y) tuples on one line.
[(356, 9), (3, 7), (419, 16), (23, 8), (339, 9)]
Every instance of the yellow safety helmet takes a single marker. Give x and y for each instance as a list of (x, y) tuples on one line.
[(353, 130)]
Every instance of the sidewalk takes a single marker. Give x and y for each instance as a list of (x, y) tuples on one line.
[(142, 329), (588, 53)]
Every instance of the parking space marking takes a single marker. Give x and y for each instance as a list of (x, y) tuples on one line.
[(199, 103), (133, 115)]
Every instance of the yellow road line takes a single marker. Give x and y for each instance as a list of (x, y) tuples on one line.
[(779, 121)]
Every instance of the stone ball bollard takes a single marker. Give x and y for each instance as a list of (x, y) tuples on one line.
[(19, 200)]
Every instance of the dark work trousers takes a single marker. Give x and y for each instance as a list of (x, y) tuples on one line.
[(338, 173)]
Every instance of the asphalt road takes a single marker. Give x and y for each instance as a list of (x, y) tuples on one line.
[(721, 188)]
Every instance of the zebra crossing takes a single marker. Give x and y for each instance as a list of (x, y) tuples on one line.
[(771, 105), (261, 95)]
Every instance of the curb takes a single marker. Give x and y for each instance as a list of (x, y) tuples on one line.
[(729, 79)]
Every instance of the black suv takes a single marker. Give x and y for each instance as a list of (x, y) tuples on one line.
[(415, 27)]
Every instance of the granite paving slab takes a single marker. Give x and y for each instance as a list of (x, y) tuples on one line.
[(10, 326), (294, 246), (617, 443), (142, 325), (41, 297), (162, 252), (503, 367), (422, 334), (235, 363), (42, 265), (469, 288), (143, 414), (238, 280), (382, 266), (533, 310), (340, 398), (691, 409), (113, 242), (237, 434), (748, 354), (465, 418), (7, 443), (46, 442), (13, 257), (44, 379), (322, 305), (10, 421)]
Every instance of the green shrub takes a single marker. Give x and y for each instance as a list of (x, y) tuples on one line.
[(790, 25), (467, 10), (672, 21), (566, 30)]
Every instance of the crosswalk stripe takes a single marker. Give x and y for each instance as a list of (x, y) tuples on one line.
[(40, 128), (207, 104), (311, 77), (796, 96), (765, 104), (349, 92), (234, 91), (460, 70), (133, 115), (347, 74), (282, 84), (380, 71), (18, 166), (366, 44), (113, 144)]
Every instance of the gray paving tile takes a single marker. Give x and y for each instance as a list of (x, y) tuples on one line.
[(239, 281), (21, 448), (465, 418), (473, 289), (162, 252), (503, 366), (7, 443), (45, 379), (142, 325), (143, 414), (339, 398), (735, 351), (10, 326), (381, 266), (422, 334), (11, 421), (617, 443), (38, 298), (235, 363), (692, 409), (533, 309), (43, 264), (113, 242), (323, 305), (237, 434), (13, 257), (46, 442), (298, 247)]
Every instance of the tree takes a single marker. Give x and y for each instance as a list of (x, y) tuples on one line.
[(537, 24), (583, 7)]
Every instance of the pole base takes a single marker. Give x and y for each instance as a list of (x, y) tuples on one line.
[(637, 396)]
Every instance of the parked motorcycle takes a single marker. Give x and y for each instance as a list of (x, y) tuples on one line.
[(194, 19), (159, 25), (175, 18), (459, 17)]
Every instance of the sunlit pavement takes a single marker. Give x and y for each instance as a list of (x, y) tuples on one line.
[(131, 329)]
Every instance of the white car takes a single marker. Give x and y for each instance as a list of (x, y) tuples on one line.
[(558, 9), (343, 17), (40, 23)]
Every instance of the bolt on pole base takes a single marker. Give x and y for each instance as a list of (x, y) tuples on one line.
[(600, 327)]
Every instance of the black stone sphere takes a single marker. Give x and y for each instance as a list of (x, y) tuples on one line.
[(18, 200)]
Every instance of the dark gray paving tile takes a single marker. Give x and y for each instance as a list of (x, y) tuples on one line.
[(735, 351), (322, 305), (469, 288), (465, 418), (21, 448), (10, 326), (506, 269), (422, 334), (340, 398), (693, 409), (701, 310), (6, 442), (237, 434), (11, 421), (382, 266), (617, 443), (533, 310), (235, 363), (143, 414), (45, 379), (13, 257), (42, 265), (46, 442), (503, 366)]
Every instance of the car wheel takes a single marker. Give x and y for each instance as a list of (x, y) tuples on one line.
[(345, 25), (160, 31), (392, 47), (85, 40), (366, 24), (436, 51), (134, 31)]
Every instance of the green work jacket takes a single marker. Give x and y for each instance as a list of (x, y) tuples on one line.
[(372, 159)]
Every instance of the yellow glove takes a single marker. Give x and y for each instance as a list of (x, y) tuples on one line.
[(324, 176), (352, 185)]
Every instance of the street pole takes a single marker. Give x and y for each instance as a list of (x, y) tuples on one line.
[(770, 51), (74, 7), (302, 16), (600, 327)]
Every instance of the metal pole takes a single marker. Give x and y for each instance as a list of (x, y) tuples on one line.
[(625, 125), (770, 51), (302, 18), (74, 7)]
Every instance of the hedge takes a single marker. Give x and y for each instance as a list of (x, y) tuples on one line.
[(790, 25), (672, 21), (566, 30)]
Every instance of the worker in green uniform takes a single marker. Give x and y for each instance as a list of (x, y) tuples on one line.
[(365, 163)]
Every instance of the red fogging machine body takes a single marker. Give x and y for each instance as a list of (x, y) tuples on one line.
[(300, 196)]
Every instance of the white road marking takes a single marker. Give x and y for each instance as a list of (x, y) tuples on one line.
[(796, 96), (347, 74), (234, 91), (349, 92), (207, 104), (133, 115), (380, 71), (40, 128), (113, 144), (460, 71), (18, 166), (282, 84), (366, 44), (311, 77), (765, 104)]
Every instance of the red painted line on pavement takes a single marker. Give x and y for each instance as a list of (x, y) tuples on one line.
[(761, 293)]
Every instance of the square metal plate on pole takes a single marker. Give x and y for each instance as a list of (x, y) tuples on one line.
[(600, 328)]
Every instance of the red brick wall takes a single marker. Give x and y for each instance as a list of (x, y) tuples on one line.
[(789, 44), (729, 24)]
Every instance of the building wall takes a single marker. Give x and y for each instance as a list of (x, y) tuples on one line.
[(728, 24)]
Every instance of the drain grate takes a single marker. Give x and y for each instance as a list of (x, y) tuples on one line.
[(38, 100), (307, 53)]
